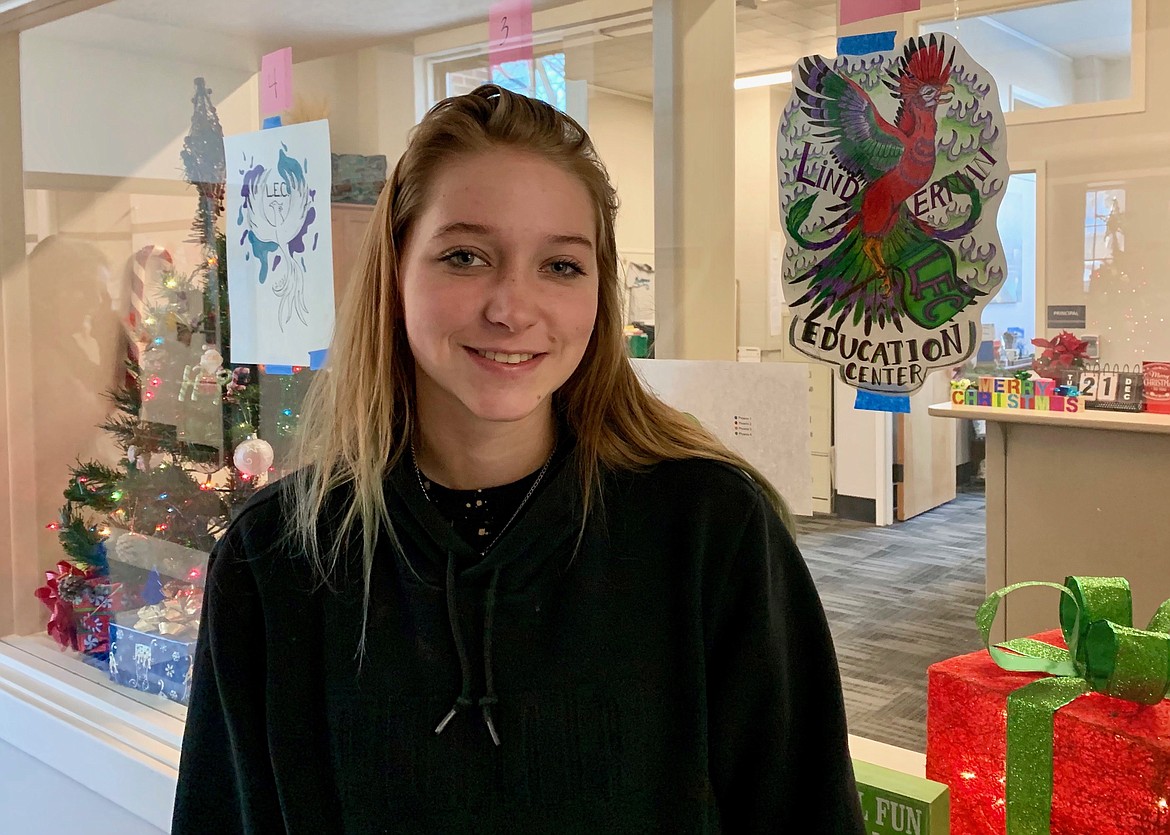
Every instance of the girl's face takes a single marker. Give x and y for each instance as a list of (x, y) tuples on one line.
[(499, 284)]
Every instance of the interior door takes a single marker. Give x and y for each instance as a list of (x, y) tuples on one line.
[(924, 452)]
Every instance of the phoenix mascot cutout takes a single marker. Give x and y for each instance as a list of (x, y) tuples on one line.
[(892, 167)]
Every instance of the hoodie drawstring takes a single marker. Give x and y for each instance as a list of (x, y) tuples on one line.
[(489, 699), (464, 700)]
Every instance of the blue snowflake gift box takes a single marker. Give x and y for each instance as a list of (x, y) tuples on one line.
[(154, 655)]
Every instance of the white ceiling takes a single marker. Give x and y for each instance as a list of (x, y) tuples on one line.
[(1074, 28), (770, 34), (777, 33), (313, 28), (1079, 29)]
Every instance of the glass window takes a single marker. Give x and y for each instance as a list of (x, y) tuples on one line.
[(149, 433), (600, 73), (147, 436), (144, 432), (1050, 55), (1013, 309), (1104, 232), (542, 78)]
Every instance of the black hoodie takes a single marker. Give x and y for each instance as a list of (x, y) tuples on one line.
[(672, 674)]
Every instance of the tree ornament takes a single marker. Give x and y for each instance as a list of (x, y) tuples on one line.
[(208, 378), (212, 361), (253, 456), (137, 460)]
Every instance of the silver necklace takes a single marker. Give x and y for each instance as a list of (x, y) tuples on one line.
[(508, 524)]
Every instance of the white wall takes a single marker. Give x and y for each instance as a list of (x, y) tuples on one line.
[(76, 96), (622, 130), (1101, 79), (1115, 79), (90, 110), (385, 102), (36, 799), (332, 82), (370, 97), (754, 134)]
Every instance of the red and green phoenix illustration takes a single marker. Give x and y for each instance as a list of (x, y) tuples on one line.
[(891, 168)]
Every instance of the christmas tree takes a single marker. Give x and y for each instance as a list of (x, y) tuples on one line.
[(1124, 303), (188, 431), (164, 485)]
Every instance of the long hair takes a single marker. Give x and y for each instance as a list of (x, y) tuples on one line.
[(359, 417)]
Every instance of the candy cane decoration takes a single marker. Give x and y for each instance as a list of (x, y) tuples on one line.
[(136, 318)]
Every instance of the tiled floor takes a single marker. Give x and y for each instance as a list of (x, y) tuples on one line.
[(898, 599)]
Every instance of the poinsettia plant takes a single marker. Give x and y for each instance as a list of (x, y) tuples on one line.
[(1062, 353)]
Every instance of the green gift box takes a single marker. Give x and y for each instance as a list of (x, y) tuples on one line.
[(894, 803), (1063, 733)]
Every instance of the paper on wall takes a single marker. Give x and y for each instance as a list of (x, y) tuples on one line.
[(276, 82), (510, 31), (853, 11), (279, 243), (892, 167)]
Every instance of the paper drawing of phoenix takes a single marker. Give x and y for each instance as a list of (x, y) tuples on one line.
[(276, 215), (877, 258)]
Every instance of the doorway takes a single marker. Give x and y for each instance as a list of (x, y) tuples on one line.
[(934, 458)]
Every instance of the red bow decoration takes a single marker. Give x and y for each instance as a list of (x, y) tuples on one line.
[(62, 627), (1061, 353)]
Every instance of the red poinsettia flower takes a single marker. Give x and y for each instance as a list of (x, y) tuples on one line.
[(1061, 353)]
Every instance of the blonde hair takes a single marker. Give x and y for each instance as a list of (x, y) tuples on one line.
[(358, 419)]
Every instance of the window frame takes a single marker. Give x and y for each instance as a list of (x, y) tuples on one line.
[(464, 49), (1136, 101)]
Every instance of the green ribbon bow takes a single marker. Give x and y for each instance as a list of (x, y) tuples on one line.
[(1105, 655)]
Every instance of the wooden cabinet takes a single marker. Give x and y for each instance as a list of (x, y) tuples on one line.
[(350, 222), (1105, 477)]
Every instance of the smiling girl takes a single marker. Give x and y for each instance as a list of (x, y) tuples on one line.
[(507, 590)]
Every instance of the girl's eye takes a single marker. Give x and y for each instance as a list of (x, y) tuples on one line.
[(463, 258), (566, 269)]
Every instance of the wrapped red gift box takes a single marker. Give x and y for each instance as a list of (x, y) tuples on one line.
[(1111, 757)]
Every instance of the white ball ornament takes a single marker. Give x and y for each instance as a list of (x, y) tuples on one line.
[(253, 457)]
